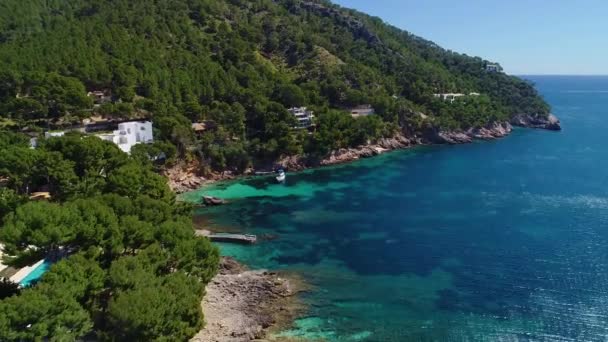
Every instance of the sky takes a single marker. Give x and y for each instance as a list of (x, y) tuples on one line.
[(527, 37)]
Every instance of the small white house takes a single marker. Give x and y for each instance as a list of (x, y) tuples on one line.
[(100, 97), (130, 134), (363, 110), (303, 115), (451, 97), (493, 68), (56, 134)]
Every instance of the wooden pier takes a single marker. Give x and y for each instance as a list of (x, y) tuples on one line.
[(227, 237)]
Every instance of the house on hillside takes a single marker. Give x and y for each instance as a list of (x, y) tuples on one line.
[(303, 116), (55, 134), (493, 68), (130, 134), (363, 110), (451, 97), (100, 97), (203, 126)]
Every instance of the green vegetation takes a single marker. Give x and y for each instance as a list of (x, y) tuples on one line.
[(240, 64), (128, 264)]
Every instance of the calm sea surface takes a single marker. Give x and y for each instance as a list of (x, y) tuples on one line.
[(493, 241)]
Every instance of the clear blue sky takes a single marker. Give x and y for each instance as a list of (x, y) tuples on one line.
[(524, 36)]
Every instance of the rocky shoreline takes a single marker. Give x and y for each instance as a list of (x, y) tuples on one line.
[(244, 305), (183, 178), (400, 141)]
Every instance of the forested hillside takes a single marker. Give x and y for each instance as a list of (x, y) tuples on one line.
[(240, 64)]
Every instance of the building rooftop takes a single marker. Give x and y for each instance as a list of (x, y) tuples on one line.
[(303, 116)]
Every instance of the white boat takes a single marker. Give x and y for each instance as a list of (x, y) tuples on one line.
[(281, 176)]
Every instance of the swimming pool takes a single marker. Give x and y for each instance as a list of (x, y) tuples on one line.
[(35, 274)]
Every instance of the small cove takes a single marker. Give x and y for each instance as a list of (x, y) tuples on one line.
[(487, 241)]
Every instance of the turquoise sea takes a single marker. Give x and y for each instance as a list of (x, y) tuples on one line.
[(493, 241)]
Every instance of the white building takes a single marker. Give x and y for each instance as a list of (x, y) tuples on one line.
[(363, 110), (303, 115), (493, 68), (2, 266), (130, 134), (99, 97), (453, 96), (448, 96), (56, 134)]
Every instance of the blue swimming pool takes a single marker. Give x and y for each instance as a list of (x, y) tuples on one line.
[(36, 273)]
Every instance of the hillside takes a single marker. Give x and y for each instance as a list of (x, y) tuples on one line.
[(240, 64)]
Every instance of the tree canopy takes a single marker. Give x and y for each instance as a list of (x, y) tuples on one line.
[(127, 264)]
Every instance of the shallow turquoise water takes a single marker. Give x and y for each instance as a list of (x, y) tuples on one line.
[(36, 274), (494, 241)]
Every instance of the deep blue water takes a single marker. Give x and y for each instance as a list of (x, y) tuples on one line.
[(493, 241)]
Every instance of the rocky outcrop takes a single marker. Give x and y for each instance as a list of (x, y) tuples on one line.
[(242, 305), (492, 131), (550, 122), (344, 155), (184, 177), (349, 154), (449, 137)]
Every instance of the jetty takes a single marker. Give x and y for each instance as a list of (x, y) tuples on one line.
[(247, 239)]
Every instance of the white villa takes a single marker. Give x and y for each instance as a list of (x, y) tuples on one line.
[(126, 136), (451, 97), (99, 97), (130, 134), (363, 110), (493, 68), (2, 266), (303, 115), (55, 134)]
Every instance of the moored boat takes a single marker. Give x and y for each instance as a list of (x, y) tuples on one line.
[(210, 200), (281, 176)]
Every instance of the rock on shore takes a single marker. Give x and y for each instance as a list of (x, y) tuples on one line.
[(243, 305), (551, 122), (349, 154), (492, 131), (184, 177)]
